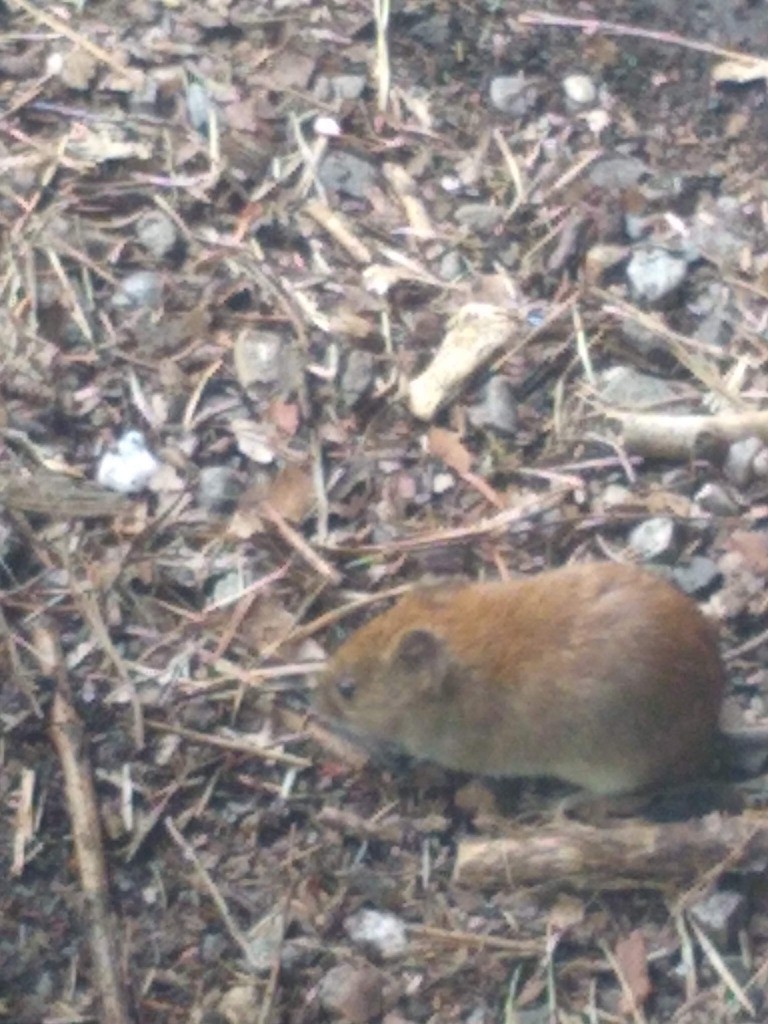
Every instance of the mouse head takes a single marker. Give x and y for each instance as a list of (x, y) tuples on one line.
[(378, 688)]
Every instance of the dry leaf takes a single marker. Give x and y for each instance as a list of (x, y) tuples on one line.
[(78, 69), (631, 955), (285, 416), (445, 444), (753, 547), (292, 493), (567, 912)]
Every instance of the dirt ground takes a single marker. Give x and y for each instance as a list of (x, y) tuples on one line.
[(233, 234)]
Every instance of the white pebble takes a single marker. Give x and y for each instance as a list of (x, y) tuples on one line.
[(580, 89), (128, 466), (327, 126)]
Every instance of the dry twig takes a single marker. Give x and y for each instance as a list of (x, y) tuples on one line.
[(68, 738)]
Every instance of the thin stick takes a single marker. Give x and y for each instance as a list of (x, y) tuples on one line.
[(519, 947), (382, 70), (213, 891), (614, 28), (493, 524), (302, 548), (68, 737), (238, 746), (61, 28)]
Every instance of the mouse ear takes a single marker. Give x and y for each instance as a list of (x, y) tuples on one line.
[(422, 655)]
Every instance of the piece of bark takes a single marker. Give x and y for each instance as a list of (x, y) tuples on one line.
[(612, 857), (667, 436), (477, 332)]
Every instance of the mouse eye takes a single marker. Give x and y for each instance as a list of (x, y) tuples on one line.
[(346, 686)]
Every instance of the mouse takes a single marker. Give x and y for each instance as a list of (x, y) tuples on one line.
[(602, 675)]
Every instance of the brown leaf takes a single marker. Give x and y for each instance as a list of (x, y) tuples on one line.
[(285, 416), (292, 493), (78, 69), (445, 444), (631, 955), (753, 547)]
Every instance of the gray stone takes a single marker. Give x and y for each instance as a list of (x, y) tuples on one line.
[(480, 217), (347, 173), (697, 575), (654, 540), (383, 931), (258, 356), (348, 87), (512, 94), (141, 289), (617, 172), (715, 499), (739, 462), (218, 488), (721, 915), (451, 266), (358, 375), (654, 273), (718, 230), (627, 388), (353, 992), (198, 105), (496, 409), (157, 233), (433, 31)]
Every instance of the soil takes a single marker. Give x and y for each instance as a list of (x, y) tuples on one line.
[(232, 234)]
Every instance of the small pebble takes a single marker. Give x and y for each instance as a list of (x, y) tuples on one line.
[(615, 496), (512, 94), (434, 31), (739, 462), (141, 289), (760, 464), (218, 487), (654, 539), (348, 87), (257, 357), (354, 993), (496, 409), (157, 233), (358, 376), (442, 482), (617, 172), (385, 932), (714, 498), (198, 106), (451, 266), (628, 388), (721, 915), (697, 575), (479, 217), (327, 126), (654, 273), (348, 174), (580, 89), (128, 466)]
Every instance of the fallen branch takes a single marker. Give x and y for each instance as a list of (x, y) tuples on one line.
[(612, 857), (667, 436)]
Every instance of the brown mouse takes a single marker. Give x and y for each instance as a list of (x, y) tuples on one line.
[(601, 675)]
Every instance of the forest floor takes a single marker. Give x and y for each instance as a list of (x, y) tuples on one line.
[(233, 235)]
